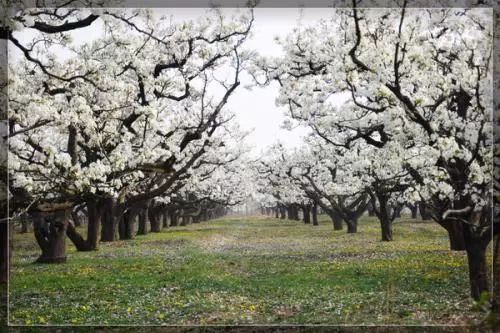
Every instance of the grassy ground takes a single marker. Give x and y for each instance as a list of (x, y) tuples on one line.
[(249, 271)]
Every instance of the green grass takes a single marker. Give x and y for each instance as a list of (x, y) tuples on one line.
[(249, 271)]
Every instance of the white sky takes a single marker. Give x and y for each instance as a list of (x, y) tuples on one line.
[(256, 109)]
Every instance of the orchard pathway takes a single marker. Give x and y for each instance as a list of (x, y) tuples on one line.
[(248, 270)]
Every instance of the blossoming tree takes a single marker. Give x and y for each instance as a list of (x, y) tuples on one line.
[(417, 78)]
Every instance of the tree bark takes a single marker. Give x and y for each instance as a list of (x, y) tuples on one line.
[(164, 218), (476, 259), (397, 211), (93, 222), (50, 233), (126, 227), (306, 212), (174, 222), (154, 220), (4, 250), (352, 226), (143, 220), (109, 221), (336, 220), (455, 234), (76, 219), (314, 212), (386, 227), (414, 211), (424, 214), (296, 213), (384, 215), (24, 224), (77, 239), (370, 210)]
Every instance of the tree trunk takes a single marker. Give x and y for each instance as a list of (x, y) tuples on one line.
[(143, 220), (384, 215), (352, 226), (423, 211), (76, 219), (336, 220), (4, 250), (24, 224), (276, 212), (154, 219), (476, 259), (314, 212), (495, 307), (76, 238), (93, 222), (455, 234), (109, 221), (50, 233), (126, 228), (283, 213), (386, 226), (307, 217), (164, 218), (369, 208), (414, 211), (174, 222), (478, 272), (397, 211), (184, 221), (296, 213)]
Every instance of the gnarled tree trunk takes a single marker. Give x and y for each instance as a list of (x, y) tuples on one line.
[(50, 234), (93, 222)]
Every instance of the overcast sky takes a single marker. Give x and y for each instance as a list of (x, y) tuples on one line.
[(255, 109)]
